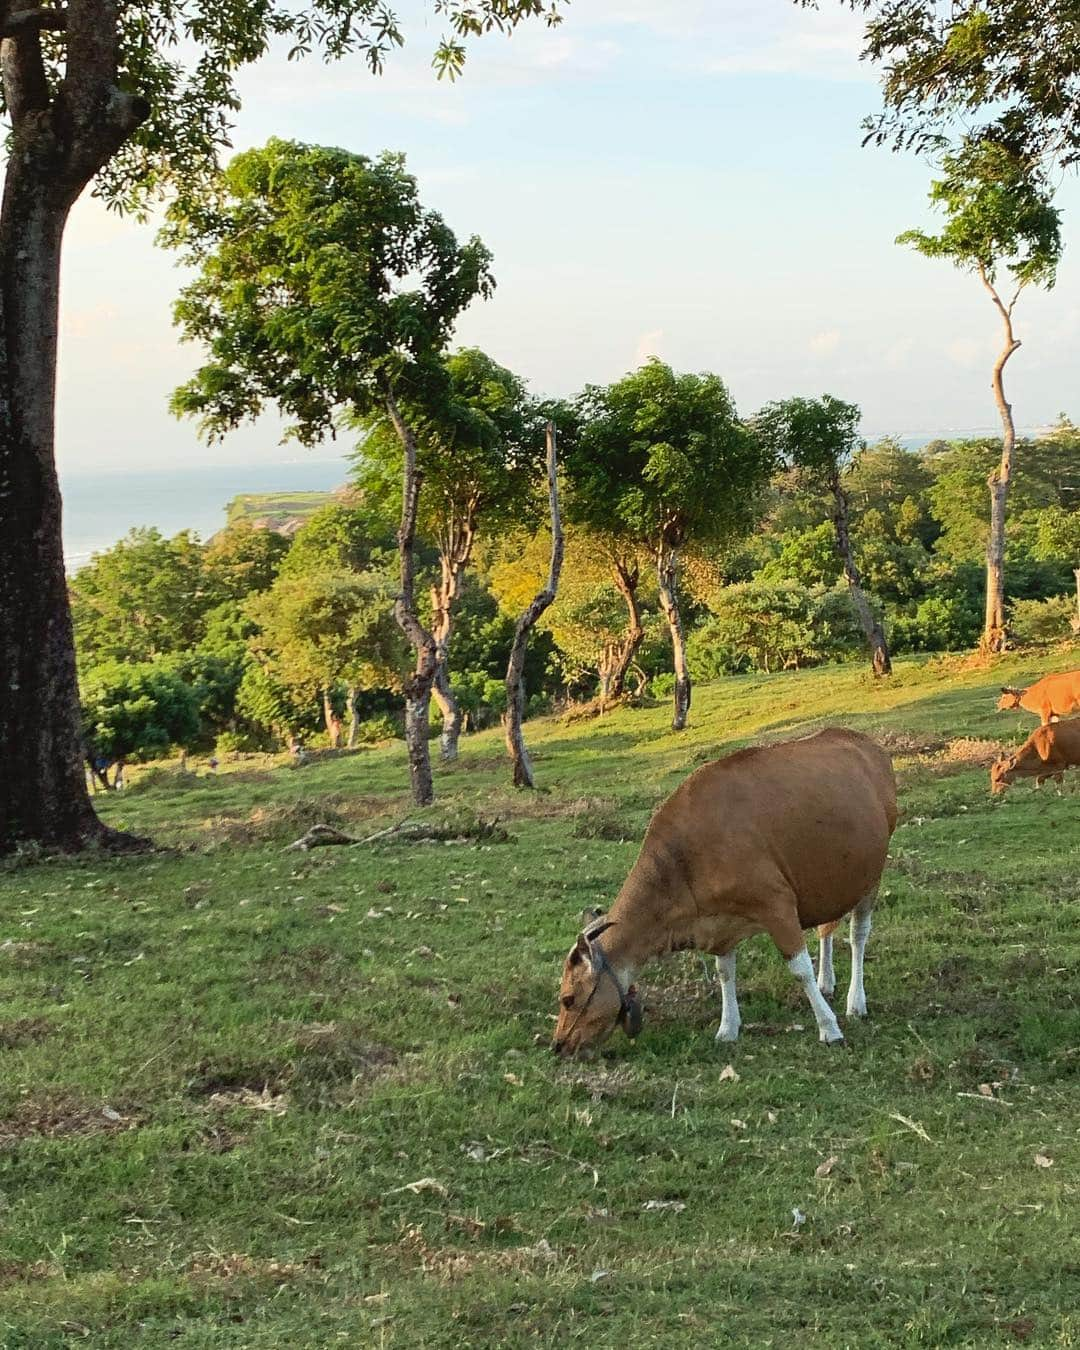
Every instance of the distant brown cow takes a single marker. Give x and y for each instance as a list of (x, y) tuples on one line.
[(1046, 753), (1052, 696), (777, 839)]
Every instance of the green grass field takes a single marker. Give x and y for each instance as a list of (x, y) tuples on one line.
[(277, 507), (261, 1098)]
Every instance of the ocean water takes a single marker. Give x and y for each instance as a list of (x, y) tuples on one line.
[(99, 508)]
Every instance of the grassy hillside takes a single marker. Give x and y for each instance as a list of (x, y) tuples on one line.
[(276, 509), (257, 1098)]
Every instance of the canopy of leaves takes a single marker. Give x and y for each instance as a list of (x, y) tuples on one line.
[(323, 285), (340, 537), (241, 560), (136, 709), (1013, 63), (663, 459), (329, 627), (183, 60), (817, 437), (143, 597), (999, 213), (479, 450)]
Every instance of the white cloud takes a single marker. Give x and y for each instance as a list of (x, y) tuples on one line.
[(825, 343), (648, 345)]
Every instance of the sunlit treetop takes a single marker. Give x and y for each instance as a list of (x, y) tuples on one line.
[(999, 214)]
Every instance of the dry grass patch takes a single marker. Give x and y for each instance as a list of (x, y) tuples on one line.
[(61, 1115)]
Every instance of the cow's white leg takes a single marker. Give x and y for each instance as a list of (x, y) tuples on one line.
[(860, 931), (802, 968), (826, 979), (730, 1021)]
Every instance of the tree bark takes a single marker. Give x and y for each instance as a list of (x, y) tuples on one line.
[(60, 139), (1076, 621), (354, 716), (994, 635), (620, 655), (515, 670), (875, 636), (456, 552), (419, 683), (667, 576), (332, 720)]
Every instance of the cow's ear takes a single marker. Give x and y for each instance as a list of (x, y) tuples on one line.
[(580, 950), (598, 928), (590, 916)]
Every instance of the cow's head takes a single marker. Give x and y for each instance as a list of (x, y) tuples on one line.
[(1010, 698), (591, 1000), (1002, 773)]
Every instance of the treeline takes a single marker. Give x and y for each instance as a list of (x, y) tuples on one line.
[(674, 571)]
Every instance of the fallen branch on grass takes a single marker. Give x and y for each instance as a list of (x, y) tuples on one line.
[(479, 831)]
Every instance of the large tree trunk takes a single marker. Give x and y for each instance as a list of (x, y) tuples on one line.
[(667, 576), (59, 141), (515, 670), (43, 796), (418, 684), (994, 632), (872, 630)]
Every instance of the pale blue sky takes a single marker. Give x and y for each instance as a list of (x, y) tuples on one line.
[(691, 186)]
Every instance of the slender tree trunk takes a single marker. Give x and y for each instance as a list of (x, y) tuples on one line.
[(418, 684), (59, 141), (354, 716), (994, 632), (667, 576), (623, 653), (1076, 621), (515, 670), (456, 553), (332, 720), (875, 636)]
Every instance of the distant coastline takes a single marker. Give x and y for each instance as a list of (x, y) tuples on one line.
[(100, 507)]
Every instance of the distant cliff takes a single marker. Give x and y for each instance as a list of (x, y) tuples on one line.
[(282, 512)]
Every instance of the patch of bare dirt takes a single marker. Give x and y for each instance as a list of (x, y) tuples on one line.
[(26, 1272), (59, 1116), (23, 1031), (909, 744), (22, 954)]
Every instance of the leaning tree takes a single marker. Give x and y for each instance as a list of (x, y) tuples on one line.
[(325, 287), (662, 463), (478, 451), (136, 100), (1001, 226), (818, 438)]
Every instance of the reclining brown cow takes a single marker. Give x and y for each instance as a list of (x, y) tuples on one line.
[(778, 839), (1052, 696), (1046, 753)]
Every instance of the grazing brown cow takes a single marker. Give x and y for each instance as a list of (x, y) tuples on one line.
[(1046, 753), (1052, 696), (777, 839)]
